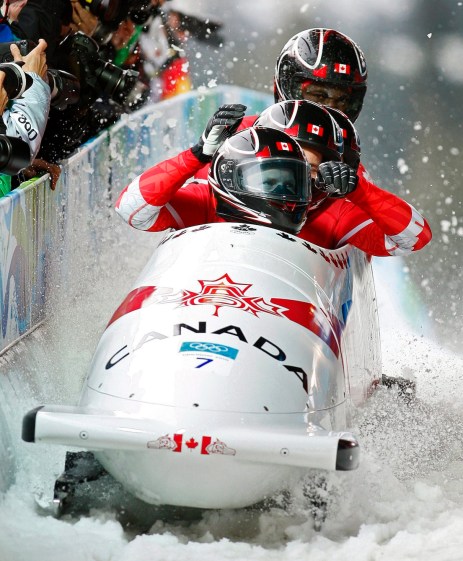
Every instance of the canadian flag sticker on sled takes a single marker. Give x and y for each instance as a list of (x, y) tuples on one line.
[(205, 446)]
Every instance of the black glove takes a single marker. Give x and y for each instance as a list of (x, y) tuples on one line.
[(336, 178), (220, 126)]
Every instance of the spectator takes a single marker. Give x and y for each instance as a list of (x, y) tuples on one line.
[(70, 125), (3, 94), (122, 50), (43, 19), (9, 13), (5, 185), (83, 20), (40, 167), (26, 117), (165, 62)]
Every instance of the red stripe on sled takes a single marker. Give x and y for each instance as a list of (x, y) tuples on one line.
[(307, 315), (304, 313), (132, 302)]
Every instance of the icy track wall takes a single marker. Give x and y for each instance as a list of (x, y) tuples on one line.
[(42, 232)]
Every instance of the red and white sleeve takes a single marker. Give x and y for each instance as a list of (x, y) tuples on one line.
[(390, 225), (141, 202)]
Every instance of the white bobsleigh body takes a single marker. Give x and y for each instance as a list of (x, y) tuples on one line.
[(230, 369)]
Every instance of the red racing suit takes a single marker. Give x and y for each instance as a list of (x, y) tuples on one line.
[(372, 219)]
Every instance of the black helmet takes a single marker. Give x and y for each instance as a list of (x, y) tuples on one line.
[(260, 176), (309, 123), (321, 57), (351, 154)]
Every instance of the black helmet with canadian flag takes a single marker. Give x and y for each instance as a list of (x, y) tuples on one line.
[(309, 123), (260, 176), (322, 57), (352, 151)]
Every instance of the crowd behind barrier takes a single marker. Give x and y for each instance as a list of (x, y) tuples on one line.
[(69, 69)]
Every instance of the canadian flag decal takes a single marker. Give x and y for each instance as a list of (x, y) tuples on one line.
[(205, 441), (284, 146), (175, 444), (315, 129), (341, 68), (178, 438)]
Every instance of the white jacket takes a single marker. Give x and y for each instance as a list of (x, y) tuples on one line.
[(27, 116)]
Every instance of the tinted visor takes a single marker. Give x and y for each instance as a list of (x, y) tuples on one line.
[(279, 179)]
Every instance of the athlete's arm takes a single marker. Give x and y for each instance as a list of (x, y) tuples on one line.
[(145, 202), (381, 223)]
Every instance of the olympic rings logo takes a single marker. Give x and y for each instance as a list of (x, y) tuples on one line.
[(211, 347)]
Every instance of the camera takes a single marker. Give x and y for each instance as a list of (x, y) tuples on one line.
[(15, 155), (64, 87), (16, 81), (24, 45), (92, 71)]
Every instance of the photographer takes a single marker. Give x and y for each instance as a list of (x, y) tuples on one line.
[(43, 19), (69, 27), (54, 19), (9, 12), (24, 117), (82, 19)]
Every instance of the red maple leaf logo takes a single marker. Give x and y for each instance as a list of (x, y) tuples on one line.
[(191, 443), (224, 292)]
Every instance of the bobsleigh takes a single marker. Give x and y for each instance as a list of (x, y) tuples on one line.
[(230, 369)]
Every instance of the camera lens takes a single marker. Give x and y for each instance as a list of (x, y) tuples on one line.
[(115, 82), (95, 74), (65, 88), (16, 81), (15, 155)]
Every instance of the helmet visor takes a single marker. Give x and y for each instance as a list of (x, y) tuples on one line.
[(280, 179)]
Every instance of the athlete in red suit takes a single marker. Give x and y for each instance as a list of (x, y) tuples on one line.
[(370, 218), (321, 65)]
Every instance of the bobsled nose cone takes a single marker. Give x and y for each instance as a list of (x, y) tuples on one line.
[(348, 456)]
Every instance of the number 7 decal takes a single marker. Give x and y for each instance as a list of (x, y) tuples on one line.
[(206, 361)]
